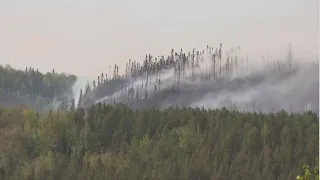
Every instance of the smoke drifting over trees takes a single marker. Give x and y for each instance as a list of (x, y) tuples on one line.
[(120, 126), (212, 78)]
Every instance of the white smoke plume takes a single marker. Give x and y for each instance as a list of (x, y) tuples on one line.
[(265, 85)]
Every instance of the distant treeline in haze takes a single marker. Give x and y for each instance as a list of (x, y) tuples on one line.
[(34, 89)]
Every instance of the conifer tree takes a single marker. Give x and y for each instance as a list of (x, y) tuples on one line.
[(80, 98)]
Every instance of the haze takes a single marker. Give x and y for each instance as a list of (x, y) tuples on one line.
[(86, 37)]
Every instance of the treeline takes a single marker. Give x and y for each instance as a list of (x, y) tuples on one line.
[(34, 89), (115, 142), (184, 65), (179, 61)]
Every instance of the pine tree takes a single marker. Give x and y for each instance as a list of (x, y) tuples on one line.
[(72, 105), (102, 78), (94, 86), (80, 98)]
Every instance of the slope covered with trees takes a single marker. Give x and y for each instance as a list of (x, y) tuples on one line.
[(115, 142), (34, 89), (180, 62), (228, 77)]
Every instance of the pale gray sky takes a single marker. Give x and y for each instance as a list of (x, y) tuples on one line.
[(86, 36)]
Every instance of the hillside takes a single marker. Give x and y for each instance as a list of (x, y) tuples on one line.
[(211, 78), (33, 89), (115, 142), (208, 114)]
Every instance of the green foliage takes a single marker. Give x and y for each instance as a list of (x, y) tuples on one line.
[(34, 89), (310, 174), (109, 142)]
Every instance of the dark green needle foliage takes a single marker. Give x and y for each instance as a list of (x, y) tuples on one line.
[(115, 142)]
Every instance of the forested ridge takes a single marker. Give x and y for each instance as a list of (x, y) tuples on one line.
[(154, 66), (92, 140), (34, 89), (116, 142), (213, 78)]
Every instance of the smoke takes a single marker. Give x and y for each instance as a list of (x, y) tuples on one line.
[(265, 85), (296, 92), (55, 104), (63, 100), (80, 83)]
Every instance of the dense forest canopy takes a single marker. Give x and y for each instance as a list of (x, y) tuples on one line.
[(34, 89), (115, 142)]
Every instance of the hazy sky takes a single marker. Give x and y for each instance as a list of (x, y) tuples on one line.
[(85, 37)]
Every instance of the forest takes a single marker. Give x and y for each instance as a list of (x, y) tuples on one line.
[(149, 73), (112, 139), (225, 76), (116, 142), (31, 88)]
